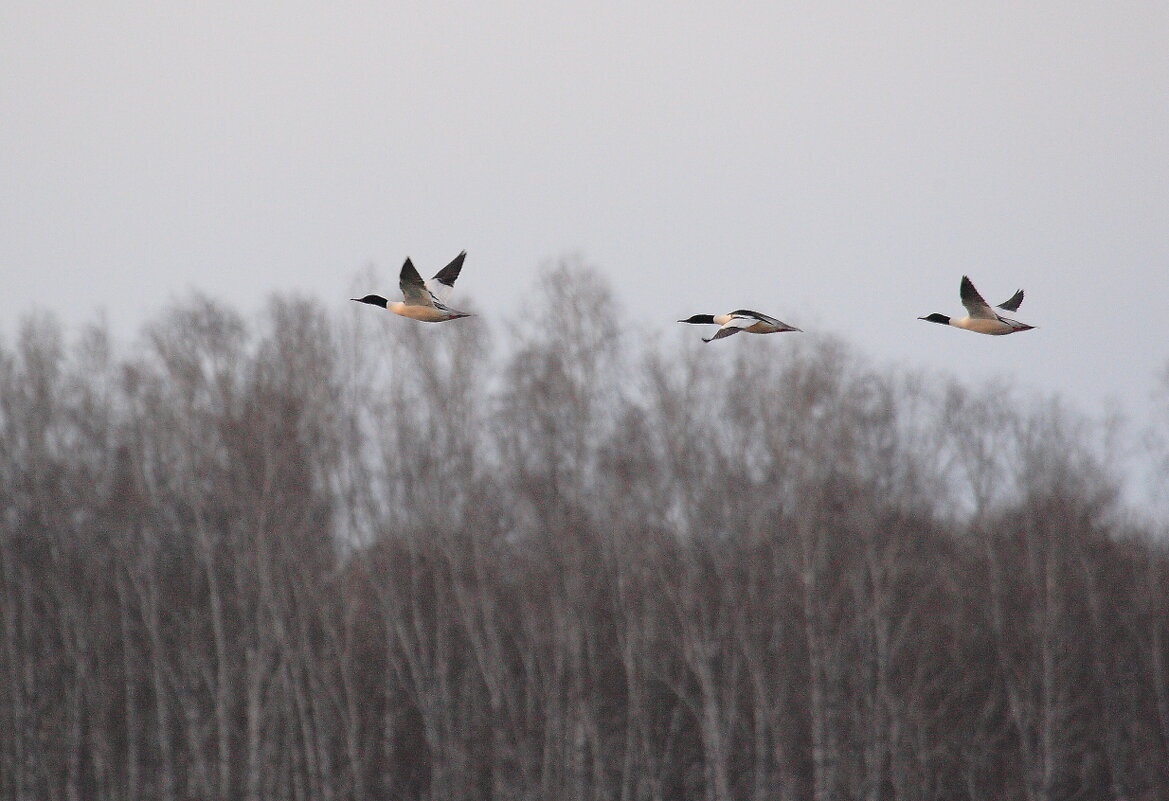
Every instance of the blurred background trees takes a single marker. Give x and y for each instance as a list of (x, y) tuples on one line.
[(300, 557)]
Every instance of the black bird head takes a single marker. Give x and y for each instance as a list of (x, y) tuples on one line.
[(376, 300)]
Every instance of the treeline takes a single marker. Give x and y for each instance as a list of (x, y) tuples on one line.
[(317, 557)]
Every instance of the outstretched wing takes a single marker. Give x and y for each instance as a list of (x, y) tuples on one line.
[(755, 317), (733, 326), (976, 307), (722, 333), (1014, 303), (414, 291), (443, 282)]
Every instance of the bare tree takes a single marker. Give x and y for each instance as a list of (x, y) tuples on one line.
[(288, 558)]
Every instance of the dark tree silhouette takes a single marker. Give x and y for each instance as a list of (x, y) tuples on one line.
[(307, 557)]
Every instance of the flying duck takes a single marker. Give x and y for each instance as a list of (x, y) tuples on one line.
[(423, 300), (980, 317), (741, 320)]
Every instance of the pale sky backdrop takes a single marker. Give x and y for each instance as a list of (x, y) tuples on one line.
[(838, 165)]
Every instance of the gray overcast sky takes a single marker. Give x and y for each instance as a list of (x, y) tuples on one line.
[(838, 165)]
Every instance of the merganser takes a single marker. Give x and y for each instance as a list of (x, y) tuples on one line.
[(981, 318), (423, 300), (740, 320)]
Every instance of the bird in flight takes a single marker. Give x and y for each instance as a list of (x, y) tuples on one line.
[(741, 320), (423, 300), (980, 317)]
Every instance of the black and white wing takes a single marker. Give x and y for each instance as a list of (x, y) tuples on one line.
[(756, 317), (414, 291), (733, 326), (1014, 303), (443, 282), (976, 307)]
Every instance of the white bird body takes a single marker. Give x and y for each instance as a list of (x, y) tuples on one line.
[(980, 317), (423, 300), (426, 313), (997, 327), (752, 322)]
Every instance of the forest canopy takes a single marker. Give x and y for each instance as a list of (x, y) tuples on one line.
[(348, 556)]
